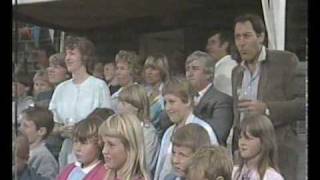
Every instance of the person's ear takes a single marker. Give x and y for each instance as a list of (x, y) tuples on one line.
[(220, 178), (225, 45), (261, 37), (42, 131)]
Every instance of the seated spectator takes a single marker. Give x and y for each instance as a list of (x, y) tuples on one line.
[(179, 107), (42, 88), (36, 124), (89, 165), (123, 148), (21, 170), (109, 71), (211, 105), (134, 99), (185, 142), (258, 150), (210, 163)]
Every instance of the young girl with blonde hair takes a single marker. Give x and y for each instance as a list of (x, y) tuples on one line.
[(258, 150), (123, 148), (134, 99)]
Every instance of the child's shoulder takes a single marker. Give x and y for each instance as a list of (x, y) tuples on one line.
[(272, 174)]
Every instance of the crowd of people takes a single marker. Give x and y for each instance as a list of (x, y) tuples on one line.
[(117, 119)]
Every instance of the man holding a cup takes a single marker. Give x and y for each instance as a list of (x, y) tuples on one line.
[(265, 82)]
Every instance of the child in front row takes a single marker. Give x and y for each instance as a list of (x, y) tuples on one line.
[(37, 123), (123, 148), (89, 164), (258, 150), (185, 141), (210, 163)]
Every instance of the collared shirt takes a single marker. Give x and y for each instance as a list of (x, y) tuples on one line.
[(164, 166), (250, 81), (201, 93), (79, 173), (223, 73)]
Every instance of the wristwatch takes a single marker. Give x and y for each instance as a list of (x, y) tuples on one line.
[(267, 112)]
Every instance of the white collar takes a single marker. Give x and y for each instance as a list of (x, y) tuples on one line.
[(203, 91), (86, 170), (223, 59)]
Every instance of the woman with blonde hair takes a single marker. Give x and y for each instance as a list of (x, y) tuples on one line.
[(134, 99), (156, 74), (123, 148)]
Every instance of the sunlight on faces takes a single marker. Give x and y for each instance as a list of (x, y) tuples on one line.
[(180, 157), (114, 152), (176, 109), (248, 42), (86, 152), (249, 146), (123, 73), (73, 60)]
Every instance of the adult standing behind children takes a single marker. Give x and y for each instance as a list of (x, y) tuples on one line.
[(126, 63), (109, 72), (268, 78), (219, 47), (74, 99)]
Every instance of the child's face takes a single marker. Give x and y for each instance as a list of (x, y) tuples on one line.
[(56, 73), (86, 152), (30, 130), (180, 157), (249, 146), (109, 71), (114, 152), (40, 86), (176, 109)]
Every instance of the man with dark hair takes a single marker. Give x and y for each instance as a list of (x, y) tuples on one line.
[(269, 80), (218, 47)]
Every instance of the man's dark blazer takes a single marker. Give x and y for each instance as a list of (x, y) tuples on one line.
[(279, 89), (216, 108)]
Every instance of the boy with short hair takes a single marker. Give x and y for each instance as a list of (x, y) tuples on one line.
[(37, 123), (185, 142), (21, 156), (212, 163)]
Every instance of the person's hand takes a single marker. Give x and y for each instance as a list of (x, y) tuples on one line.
[(66, 131), (253, 106)]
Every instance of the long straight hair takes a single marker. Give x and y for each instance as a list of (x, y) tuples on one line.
[(261, 127), (127, 128)]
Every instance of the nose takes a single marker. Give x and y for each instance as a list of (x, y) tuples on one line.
[(105, 149), (175, 160)]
